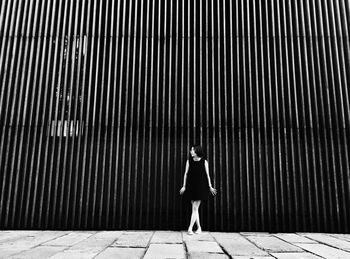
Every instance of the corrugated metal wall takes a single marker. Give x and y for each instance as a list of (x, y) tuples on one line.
[(101, 100)]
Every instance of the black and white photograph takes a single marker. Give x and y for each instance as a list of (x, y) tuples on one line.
[(175, 129)]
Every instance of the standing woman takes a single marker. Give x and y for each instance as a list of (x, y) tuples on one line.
[(197, 184)]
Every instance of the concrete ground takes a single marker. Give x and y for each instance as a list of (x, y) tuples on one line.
[(171, 244)]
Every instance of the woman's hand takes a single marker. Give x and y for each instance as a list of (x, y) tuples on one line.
[(213, 190), (183, 189)]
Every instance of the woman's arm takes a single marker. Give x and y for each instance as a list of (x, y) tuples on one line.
[(207, 171), (212, 190), (186, 171)]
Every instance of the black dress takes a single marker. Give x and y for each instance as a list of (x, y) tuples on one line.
[(197, 185)]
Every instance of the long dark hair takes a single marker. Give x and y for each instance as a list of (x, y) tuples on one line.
[(199, 150)]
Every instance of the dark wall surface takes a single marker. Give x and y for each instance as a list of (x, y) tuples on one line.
[(100, 102)]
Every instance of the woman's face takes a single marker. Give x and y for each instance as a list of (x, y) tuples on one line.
[(192, 152)]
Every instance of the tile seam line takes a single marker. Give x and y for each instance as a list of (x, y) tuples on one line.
[(35, 246), (261, 248), (106, 246), (223, 249), (68, 247), (148, 244), (323, 243)]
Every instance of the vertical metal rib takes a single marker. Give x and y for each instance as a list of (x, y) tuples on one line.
[(283, 125), (150, 37), (277, 122), (27, 121), (125, 165), (90, 122), (5, 44), (4, 114), (87, 77), (63, 142), (156, 124), (319, 106), (232, 88), (214, 123), (220, 124), (289, 119), (115, 101), (315, 106), (225, 125), (39, 122), (49, 123), (130, 111), (328, 125), (18, 94), (178, 181), (163, 39), (238, 35), (120, 151), (151, 124), (103, 129), (78, 118), (308, 120), (27, 64), (182, 85), (249, 126), (3, 9), (56, 163), (169, 127), (207, 83), (333, 103), (341, 136), (345, 43), (138, 124), (71, 125)]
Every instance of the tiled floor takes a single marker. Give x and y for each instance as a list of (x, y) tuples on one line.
[(171, 244)]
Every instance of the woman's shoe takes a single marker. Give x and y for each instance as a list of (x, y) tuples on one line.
[(198, 231), (190, 232)]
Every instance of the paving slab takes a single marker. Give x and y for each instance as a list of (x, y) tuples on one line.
[(7, 236), (301, 255), (167, 237), (121, 253), (235, 244), (273, 244), (294, 238), (98, 241), (255, 233), (325, 251), (22, 232), (7, 250), (157, 251), (38, 252), (204, 236), (207, 256), (253, 257), (203, 247), (78, 253), (345, 237), (69, 239), (107, 234), (85, 249), (134, 239), (34, 239), (330, 240)]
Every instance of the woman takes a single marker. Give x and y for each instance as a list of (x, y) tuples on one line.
[(197, 184)]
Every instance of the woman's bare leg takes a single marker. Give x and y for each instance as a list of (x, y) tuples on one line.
[(194, 214), (197, 218)]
